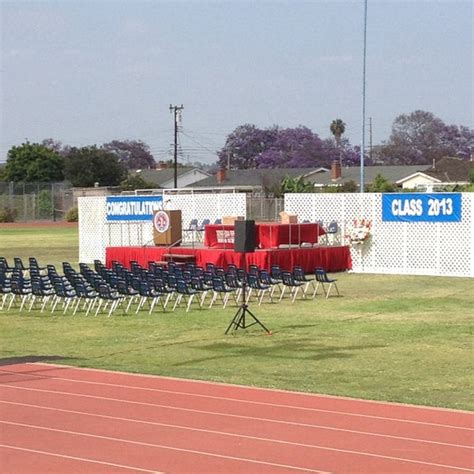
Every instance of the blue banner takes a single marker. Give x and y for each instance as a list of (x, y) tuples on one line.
[(132, 208), (422, 207)]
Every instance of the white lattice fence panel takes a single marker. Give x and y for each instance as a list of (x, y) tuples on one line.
[(205, 206), (456, 252), (422, 248), (96, 233), (123, 234), (91, 211)]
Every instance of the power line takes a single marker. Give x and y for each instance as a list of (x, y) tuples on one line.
[(198, 143)]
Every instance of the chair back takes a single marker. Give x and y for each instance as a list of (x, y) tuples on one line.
[(275, 272), (18, 263), (253, 269), (332, 228), (4, 264), (299, 273), (182, 287), (253, 281), (265, 277), (288, 279), (232, 281), (218, 284), (321, 275)]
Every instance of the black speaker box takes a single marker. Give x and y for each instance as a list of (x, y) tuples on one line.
[(244, 236)]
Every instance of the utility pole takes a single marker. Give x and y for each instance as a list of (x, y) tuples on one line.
[(364, 61), (176, 110), (370, 139)]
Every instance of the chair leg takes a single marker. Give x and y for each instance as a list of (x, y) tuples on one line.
[(190, 300), (329, 289)]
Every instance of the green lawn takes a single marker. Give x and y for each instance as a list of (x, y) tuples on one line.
[(397, 338)]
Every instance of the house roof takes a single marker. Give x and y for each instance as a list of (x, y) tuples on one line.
[(162, 176), (260, 177), (263, 177), (422, 174), (451, 170), (390, 173)]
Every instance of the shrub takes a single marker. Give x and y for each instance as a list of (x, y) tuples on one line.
[(72, 215), (7, 215), (45, 205)]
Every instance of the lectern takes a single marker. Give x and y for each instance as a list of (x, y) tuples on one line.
[(167, 227)]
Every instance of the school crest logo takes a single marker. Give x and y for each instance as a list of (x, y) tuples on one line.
[(161, 221)]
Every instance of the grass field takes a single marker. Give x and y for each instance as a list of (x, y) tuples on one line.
[(397, 338)]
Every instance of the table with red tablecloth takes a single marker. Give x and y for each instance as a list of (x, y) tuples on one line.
[(267, 235), (219, 235)]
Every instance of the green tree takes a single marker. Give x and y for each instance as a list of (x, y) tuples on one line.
[(295, 185), (136, 182), (381, 185), (32, 162), (338, 127), (45, 203), (89, 165)]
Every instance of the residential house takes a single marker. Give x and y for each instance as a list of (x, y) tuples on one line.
[(339, 176), (260, 180), (446, 172), (164, 177), (263, 179)]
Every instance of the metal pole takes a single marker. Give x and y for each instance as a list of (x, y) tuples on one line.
[(175, 109), (362, 148)]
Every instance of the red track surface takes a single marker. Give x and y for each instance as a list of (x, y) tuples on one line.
[(64, 419)]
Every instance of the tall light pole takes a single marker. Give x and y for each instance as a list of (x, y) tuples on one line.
[(177, 111), (362, 147)]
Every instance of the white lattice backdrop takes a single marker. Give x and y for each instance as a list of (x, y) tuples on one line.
[(205, 206), (95, 233), (395, 247)]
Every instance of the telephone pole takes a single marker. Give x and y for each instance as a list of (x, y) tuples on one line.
[(370, 140), (364, 61), (176, 110)]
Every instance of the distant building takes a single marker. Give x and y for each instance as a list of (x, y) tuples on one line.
[(258, 180), (164, 177), (444, 172), (263, 179)]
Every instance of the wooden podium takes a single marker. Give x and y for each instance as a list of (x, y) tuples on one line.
[(167, 228)]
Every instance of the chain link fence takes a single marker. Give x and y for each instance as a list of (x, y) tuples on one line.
[(51, 201), (36, 201), (260, 208)]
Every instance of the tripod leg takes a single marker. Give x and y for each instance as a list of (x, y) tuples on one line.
[(236, 320), (257, 321)]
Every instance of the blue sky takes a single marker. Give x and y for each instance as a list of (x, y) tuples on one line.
[(88, 72)]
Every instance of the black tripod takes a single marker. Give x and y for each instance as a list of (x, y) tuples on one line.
[(239, 320)]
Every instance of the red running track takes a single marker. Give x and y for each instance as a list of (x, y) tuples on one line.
[(64, 419)]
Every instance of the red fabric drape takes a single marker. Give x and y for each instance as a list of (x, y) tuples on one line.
[(332, 259)]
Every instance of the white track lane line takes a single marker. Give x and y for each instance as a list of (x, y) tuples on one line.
[(258, 389), (75, 458), (172, 448), (346, 451), (293, 407), (226, 433)]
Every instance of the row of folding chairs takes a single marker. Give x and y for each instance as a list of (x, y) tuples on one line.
[(102, 288)]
